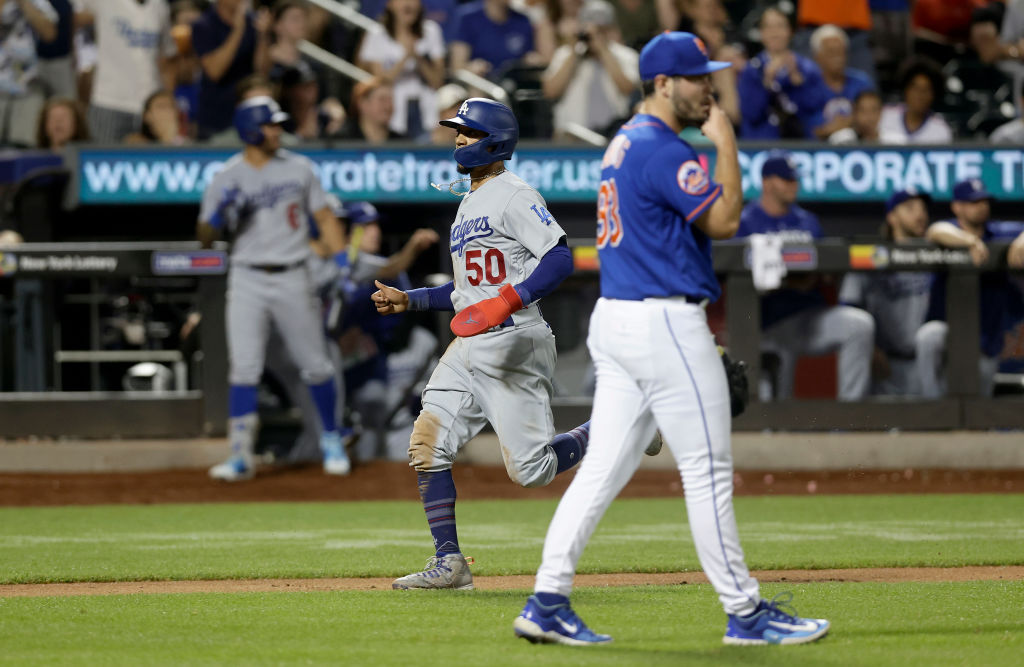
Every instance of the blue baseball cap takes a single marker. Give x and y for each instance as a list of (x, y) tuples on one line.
[(359, 212), (781, 165), (677, 54), (900, 196), (971, 190)]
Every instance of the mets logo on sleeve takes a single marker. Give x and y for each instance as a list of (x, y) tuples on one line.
[(692, 178)]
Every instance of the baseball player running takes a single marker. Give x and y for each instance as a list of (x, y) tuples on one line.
[(507, 252), (657, 365), (264, 197)]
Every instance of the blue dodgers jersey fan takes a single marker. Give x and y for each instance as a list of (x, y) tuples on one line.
[(653, 188)]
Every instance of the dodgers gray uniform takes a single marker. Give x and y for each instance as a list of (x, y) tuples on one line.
[(502, 376), (899, 303), (269, 281)]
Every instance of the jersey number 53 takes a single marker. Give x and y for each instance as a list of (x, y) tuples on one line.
[(609, 224), (489, 266)]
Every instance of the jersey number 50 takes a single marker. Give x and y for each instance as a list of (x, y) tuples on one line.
[(492, 267), (609, 224)]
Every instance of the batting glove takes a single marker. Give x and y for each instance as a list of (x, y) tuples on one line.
[(487, 314)]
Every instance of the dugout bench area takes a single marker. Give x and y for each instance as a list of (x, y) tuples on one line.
[(43, 281)]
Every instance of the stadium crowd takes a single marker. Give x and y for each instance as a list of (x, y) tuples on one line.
[(889, 71)]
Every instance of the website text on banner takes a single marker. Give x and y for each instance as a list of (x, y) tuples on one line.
[(564, 175)]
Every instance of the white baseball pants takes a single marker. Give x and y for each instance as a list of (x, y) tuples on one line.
[(657, 366)]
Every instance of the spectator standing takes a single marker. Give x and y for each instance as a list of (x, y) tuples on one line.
[(1000, 301), (408, 52), (592, 80), (161, 122), (639, 21), (21, 94), (940, 27), (898, 300), (56, 61), (61, 122), (795, 319), (369, 120), (782, 92), (867, 111), (133, 59), (231, 43), (829, 44), (489, 36), (914, 121), (441, 12)]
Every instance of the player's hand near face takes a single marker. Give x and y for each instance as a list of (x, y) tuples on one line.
[(718, 127), (389, 300)]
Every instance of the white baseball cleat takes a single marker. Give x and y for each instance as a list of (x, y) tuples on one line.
[(336, 461), (235, 469)]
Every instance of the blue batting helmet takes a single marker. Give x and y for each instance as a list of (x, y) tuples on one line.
[(255, 112), (359, 212), (494, 118)]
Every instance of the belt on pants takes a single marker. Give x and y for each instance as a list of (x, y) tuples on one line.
[(274, 268), (701, 301)]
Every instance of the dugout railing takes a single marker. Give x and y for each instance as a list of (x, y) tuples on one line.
[(962, 408)]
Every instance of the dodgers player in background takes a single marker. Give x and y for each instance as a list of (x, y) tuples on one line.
[(264, 197), (796, 320), (507, 252), (656, 360), (897, 300), (1001, 301)]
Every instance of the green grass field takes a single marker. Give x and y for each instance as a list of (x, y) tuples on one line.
[(969, 623)]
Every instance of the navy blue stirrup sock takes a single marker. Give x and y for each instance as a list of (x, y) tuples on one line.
[(570, 447), (551, 599), (437, 491)]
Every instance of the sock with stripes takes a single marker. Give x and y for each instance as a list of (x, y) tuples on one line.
[(437, 491)]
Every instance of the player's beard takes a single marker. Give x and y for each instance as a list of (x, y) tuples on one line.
[(689, 113), (465, 171)]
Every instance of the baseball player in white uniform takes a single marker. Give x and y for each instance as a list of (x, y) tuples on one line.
[(656, 360), (508, 252), (264, 197)]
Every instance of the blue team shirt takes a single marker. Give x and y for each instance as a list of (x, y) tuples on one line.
[(497, 43), (841, 103), (217, 98), (796, 226), (653, 188), (807, 99), (1000, 302)]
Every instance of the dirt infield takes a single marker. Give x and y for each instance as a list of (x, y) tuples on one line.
[(513, 582), (396, 481)]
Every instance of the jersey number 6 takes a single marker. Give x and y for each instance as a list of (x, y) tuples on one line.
[(477, 270), (609, 224)]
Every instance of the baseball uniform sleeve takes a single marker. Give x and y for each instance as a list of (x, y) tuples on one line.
[(529, 222), (212, 197), (168, 49), (316, 198), (680, 179)]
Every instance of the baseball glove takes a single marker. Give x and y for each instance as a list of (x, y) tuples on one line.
[(736, 375)]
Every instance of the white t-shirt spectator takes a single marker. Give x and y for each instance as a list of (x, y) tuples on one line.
[(18, 61), (892, 129), (131, 38), (379, 47), (592, 99)]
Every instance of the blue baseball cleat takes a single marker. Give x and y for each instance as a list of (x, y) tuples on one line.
[(332, 445), (557, 624), (770, 624)]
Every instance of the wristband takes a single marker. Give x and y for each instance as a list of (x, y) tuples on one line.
[(341, 259)]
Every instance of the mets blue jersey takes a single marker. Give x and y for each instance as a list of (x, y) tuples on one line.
[(796, 226), (653, 188)]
